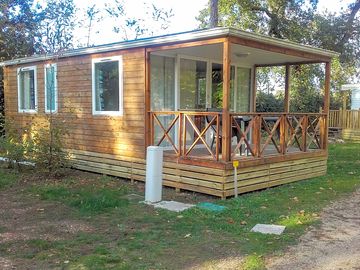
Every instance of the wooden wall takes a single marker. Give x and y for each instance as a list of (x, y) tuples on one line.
[(120, 135)]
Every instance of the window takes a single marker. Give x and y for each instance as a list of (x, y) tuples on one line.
[(50, 88), (107, 86), (192, 84), (27, 89)]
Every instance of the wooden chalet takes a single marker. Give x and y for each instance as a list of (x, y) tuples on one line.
[(192, 93)]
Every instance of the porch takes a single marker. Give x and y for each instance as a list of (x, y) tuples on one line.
[(200, 102)]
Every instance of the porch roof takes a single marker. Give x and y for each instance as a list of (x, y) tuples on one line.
[(179, 38)]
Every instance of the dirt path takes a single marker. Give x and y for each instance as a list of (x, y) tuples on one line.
[(334, 245), (22, 218)]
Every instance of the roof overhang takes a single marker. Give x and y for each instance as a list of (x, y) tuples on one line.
[(177, 38), (346, 87)]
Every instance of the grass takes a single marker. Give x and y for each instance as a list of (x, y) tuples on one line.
[(130, 235), (7, 179), (88, 200)]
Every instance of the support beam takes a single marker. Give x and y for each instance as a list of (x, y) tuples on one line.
[(287, 89), (147, 100), (253, 91), (326, 103), (226, 125)]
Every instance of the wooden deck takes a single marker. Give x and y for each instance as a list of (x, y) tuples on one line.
[(180, 174)]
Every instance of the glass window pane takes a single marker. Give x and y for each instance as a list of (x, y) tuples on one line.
[(107, 86), (216, 85), (50, 88), (242, 100), (192, 84), (162, 83), (27, 90)]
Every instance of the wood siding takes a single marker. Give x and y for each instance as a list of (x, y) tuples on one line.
[(121, 135)]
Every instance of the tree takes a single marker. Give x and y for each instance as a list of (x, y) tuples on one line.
[(134, 27), (91, 13), (19, 24), (214, 13), (57, 26), (299, 21)]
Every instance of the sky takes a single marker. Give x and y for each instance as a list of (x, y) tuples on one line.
[(184, 19)]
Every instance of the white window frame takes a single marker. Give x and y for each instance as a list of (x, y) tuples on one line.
[(19, 70), (121, 86), (55, 88)]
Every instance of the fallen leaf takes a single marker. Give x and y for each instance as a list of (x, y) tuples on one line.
[(302, 212), (243, 222), (230, 220), (188, 235)]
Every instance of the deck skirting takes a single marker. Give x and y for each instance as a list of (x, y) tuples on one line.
[(351, 134), (212, 181)]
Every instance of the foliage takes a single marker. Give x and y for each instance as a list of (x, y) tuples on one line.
[(15, 143), (48, 144), (57, 26), (268, 102), (132, 27), (299, 21)]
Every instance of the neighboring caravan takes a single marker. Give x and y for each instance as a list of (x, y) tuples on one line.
[(193, 93), (347, 121)]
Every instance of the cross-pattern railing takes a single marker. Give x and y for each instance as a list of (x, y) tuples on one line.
[(264, 134), (183, 132), (253, 135)]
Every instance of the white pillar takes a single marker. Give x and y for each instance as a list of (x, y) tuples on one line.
[(154, 164)]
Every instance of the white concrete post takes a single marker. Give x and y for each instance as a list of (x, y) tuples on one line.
[(154, 165)]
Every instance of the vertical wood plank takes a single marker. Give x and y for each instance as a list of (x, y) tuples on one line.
[(287, 89), (304, 126), (256, 135), (217, 136), (282, 134), (226, 125), (326, 103), (180, 133)]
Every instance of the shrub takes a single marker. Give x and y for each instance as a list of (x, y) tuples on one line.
[(15, 143), (48, 145)]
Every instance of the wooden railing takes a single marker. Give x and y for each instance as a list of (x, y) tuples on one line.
[(265, 134), (253, 135), (190, 133), (344, 119)]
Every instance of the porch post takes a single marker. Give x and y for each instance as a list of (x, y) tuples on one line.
[(253, 96), (147, 101), (287, 88), (226, 125), (326, 104)]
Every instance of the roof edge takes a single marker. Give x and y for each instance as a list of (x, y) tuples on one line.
[(173, 38)]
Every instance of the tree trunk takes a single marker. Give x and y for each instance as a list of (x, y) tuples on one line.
[(214, 13)]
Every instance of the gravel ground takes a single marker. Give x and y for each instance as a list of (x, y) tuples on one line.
[(333, 245)]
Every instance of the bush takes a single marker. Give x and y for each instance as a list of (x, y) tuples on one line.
[(48, 143), (15, 143)]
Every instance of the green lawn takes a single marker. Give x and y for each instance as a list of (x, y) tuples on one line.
[(129, 235)]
